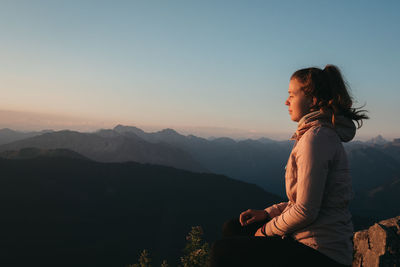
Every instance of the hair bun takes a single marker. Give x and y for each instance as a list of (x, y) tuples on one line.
[(328, 67)]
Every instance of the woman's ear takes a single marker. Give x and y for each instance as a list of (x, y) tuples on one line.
[(314, 101)]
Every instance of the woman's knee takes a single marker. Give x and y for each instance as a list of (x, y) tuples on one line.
[(221, 253), (232, 228)]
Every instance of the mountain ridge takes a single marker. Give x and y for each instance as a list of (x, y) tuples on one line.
[(117, 148)]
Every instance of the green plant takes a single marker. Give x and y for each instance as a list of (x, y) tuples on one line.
[(196, 252), (144, 260)]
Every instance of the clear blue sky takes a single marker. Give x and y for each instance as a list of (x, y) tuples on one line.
[(195, 63)]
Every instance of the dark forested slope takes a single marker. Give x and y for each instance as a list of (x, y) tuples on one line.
[(76, 212)]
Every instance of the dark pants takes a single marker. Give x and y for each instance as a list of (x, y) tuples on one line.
[(239, 247)]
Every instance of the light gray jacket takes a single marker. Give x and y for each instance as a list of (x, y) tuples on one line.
[(318, 186)]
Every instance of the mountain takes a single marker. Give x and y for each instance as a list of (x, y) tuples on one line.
[(255, 161), (392, 149), (371, 167), (261, 162), (130, 129), (61, 211), (265, 140), (375, 171), (379, 202), (166, 135), (8, 135), (109, 146), (378, 140)]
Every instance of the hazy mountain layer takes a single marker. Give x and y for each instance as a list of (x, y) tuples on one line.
[(29, 153), (110, 148), (8, 135), (256, 161), (373, 164)]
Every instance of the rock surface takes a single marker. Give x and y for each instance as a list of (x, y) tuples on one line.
[(379, 245)]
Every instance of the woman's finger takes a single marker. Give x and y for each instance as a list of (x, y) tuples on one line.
[(251, 220), (244, 216), (243, 219)]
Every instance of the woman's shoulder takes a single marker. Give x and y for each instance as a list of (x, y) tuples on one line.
[(318, 143), (320, 135)]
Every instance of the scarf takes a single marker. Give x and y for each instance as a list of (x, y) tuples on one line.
[(344, 126)]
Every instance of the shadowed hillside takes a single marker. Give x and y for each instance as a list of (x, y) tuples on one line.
[(64, 212)]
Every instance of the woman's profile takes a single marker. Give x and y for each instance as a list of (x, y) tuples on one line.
[(314, 227)]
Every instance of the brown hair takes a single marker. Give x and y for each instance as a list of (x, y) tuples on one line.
[(330, 91)]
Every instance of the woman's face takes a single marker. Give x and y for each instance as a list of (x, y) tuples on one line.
[(299, 104)]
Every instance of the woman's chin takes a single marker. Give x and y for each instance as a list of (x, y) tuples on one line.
[(295, 119)]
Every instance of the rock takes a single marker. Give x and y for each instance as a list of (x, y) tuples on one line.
[(379, 245)]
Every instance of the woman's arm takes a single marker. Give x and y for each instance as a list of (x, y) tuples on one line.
[(276, 209), (272, 211), (315, 150)]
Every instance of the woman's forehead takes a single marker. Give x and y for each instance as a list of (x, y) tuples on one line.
[(294, 86)]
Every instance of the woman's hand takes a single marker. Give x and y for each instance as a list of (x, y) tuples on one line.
[(249, 216)]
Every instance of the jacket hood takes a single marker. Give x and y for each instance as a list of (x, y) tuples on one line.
[(344, 127)]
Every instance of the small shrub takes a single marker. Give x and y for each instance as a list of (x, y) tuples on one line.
[(196, 252), (144, 260)]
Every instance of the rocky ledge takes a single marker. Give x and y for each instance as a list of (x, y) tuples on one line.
[(379, 245)]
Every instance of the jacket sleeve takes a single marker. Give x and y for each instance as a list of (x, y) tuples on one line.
[(315, 150), (276, 209)]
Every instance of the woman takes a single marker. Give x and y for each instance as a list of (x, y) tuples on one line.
[(314, 226)]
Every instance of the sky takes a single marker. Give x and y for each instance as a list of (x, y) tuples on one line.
[(209, 68)]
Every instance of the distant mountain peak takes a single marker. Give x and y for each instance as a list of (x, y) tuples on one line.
[(378, 140), (169, 131), (123, 129)]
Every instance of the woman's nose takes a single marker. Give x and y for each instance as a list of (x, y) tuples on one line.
[(287, 102)]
